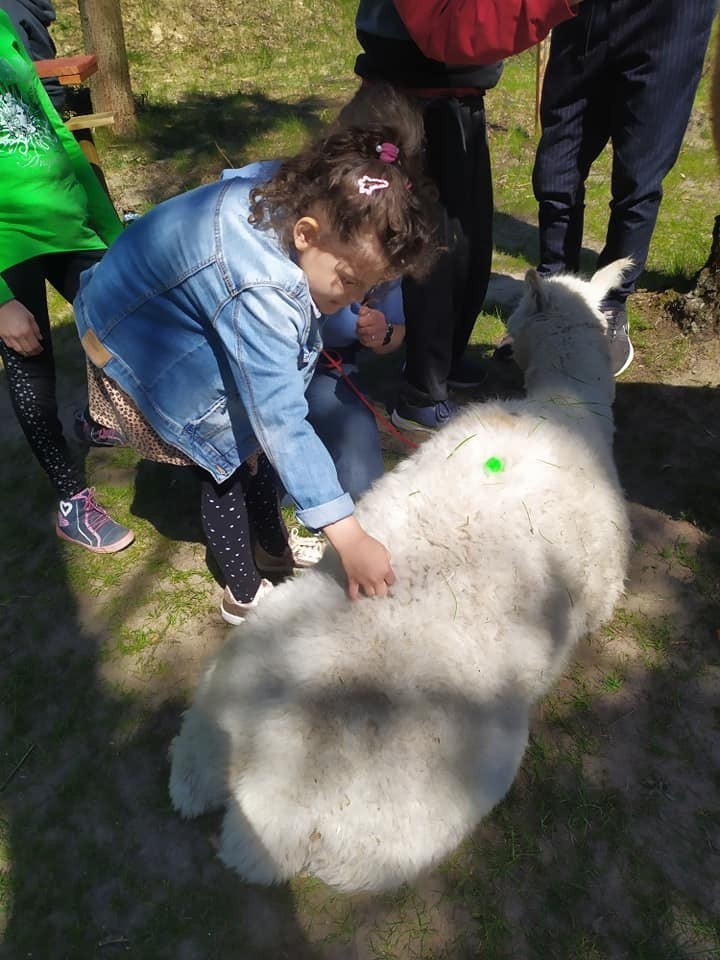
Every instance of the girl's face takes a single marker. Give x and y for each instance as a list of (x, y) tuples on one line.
[(336, 274)]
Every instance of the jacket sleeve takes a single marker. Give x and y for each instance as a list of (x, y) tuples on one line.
[(479, 31), (259, 323)]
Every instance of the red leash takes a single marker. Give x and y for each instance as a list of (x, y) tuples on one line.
[(334, 361)]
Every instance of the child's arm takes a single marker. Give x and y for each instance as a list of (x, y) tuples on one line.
[(266, 325), (365, 560)]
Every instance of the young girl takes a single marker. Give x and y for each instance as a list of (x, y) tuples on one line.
[(336, 411), (203, 325), (55, 221)]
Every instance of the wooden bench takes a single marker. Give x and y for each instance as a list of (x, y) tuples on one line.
[(70, 71)]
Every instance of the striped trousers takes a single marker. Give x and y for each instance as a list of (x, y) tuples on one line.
[(624, 72)]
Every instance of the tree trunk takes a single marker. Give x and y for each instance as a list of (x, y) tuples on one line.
[(700, 309), (110, 87)]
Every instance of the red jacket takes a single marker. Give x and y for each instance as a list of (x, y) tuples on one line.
[(450, 46), (478, 31)]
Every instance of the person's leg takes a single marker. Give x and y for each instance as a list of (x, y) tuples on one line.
[(227, 529), (658, 51), (347, 428), (63, 272), (575, 119), (31, 382), (263, 507), (431, 306), (476, 218)]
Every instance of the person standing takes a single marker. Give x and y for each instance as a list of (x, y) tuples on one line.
[(447, 56), (55, 221), (624, 72)]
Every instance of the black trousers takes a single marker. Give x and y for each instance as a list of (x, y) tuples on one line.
[(624, 71), (441, 311), (31, 380)]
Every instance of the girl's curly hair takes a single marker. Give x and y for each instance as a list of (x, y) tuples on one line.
[(327, 174)]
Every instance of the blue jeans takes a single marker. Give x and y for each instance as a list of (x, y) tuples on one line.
[(347, 428)]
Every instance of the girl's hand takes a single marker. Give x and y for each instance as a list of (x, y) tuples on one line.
[(371, 327), (18, 329), (365, 560)]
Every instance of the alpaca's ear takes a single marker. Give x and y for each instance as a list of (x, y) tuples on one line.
[(534, 288), (609, 277), (531, 304)]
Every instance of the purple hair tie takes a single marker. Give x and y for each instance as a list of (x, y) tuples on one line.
[(387, 152)]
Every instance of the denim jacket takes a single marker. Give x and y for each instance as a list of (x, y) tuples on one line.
[(209, 326)]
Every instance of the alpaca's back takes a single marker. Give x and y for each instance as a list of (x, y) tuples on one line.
[(383, 731)]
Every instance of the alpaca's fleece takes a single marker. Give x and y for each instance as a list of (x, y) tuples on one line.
[(361, 742)]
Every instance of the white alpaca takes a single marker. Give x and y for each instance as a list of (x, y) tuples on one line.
[(362, 742)]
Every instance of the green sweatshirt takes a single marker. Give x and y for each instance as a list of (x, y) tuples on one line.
[(51, 201)]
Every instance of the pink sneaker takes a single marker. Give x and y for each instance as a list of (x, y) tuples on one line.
[(83, 521)]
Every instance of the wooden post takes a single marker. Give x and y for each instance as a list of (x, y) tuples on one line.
[(110, 87)]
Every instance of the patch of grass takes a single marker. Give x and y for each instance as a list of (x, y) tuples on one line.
[(488, 331), (654, 635)]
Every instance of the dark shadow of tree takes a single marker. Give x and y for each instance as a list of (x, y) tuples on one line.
[(201, 134), (95, 862)]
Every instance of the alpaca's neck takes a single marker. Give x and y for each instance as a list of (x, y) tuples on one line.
[(579, 386), (573, 375), (575, 362)]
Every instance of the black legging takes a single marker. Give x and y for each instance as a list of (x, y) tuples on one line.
[(31, 380), (234, 514)]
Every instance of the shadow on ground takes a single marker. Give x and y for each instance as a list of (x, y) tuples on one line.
[(604, 849), (518, 238), (190, 142)]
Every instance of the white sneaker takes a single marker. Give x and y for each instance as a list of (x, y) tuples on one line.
[(300, 553), (306, 551), (234, 612)]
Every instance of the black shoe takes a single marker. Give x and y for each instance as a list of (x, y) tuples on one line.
[(465, 375)]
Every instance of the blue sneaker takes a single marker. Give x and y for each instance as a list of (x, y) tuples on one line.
[(407, 416), (83, 521), (95, 434)]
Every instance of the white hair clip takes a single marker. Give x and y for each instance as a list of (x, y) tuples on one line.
[(370, 184)]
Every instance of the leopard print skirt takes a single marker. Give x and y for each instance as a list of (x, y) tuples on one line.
[(112, 407)]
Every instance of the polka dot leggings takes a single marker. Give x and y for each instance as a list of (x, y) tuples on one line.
[(31, 380), (237, 512)]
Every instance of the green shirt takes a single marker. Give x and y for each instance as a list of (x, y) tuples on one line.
[(51, 201)]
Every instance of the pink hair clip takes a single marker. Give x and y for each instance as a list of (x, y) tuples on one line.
[(370, 184), (387, 152)]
